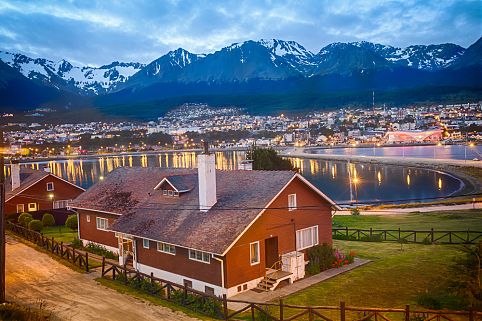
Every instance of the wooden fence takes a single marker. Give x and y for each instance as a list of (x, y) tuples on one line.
[(408, 236), (50, 244), (278, 311)]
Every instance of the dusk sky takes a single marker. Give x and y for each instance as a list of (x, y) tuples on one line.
[(99, 32)]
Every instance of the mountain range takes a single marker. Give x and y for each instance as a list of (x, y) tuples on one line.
[(240, 71)]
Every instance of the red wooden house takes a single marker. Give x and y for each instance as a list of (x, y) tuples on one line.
[(216, 231), (32, 190)]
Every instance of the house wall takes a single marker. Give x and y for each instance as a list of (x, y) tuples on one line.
[(281, 223), (180, 264), (88, 230), (38, 193)]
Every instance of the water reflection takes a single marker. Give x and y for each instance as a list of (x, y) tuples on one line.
[(342, 181)]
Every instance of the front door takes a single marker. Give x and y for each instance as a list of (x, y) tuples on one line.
[(271, 251)]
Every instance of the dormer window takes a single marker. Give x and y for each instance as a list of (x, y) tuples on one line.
[(175, 185)]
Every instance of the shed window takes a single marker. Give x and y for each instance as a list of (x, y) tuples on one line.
[(166, 248), (307, 237), (292, 202), (32, 207), (199, 256), (50, 186), (20, 208), (102, 223), (145, 243), (254, 253)]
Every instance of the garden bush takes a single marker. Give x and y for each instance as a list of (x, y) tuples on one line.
[(24, 219), (321, 258), (48, 220), (100, 250), (208, 306), (71, 222), (76, 243), (35, 225)]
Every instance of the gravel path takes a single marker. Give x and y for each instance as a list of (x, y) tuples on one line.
[(34, 277)]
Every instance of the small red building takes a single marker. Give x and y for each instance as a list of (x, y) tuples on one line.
[(32, 190), (216, 231)]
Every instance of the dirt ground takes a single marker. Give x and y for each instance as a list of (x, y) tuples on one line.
[(34, 278)]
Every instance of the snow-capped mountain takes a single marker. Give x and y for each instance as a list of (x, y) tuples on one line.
[(88, 80)]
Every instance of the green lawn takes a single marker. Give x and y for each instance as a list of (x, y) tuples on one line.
[(393, 279), (60, 233), (447, 220)]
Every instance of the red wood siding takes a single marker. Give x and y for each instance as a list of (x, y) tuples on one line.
[(38, 193), (88, 230), (179, 263), (280, 223)]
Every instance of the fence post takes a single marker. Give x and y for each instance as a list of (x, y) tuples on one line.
[(371, 233), (414, 236), (468, 237), (399, 235), (62, 248), (342, 310), (125, 274), (103, 266), (431, 234), (168, 292), (86, 261), (184, 295), (450, 237), (310, 314), (152, 277), (471, 313), (346, 229), (280, 309), (252, 312), (225, 307), (407, 312)]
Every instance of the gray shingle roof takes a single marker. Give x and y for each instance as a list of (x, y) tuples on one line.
[(28, 177), (145, 212)]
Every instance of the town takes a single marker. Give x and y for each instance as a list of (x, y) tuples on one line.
[(229, 127)]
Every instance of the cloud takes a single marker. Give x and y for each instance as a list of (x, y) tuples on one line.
[(98, 32)]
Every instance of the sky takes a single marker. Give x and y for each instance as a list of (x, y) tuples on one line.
[(94, 32)]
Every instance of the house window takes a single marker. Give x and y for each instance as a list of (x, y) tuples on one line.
[(88, 218), (171, 192), (166, 248), (102, 223), (292, 202), (145, 243), (32, 207), (209, 290), (199, 256), (61, 204), (254, 253), (187, 283), (50, 186), (20, 208), (307, 237), (164, 192)]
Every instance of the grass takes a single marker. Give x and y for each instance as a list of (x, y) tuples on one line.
[(13, 311), (60, 233), (446, 220), (393, 279), (124, 289)]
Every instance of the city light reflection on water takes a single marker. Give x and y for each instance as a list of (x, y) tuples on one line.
[(341, 181)]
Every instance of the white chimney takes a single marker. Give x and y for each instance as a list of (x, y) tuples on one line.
[(207, 179), (15, 175), (47, 169)]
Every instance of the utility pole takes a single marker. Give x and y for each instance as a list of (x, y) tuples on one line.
[(2, 219)]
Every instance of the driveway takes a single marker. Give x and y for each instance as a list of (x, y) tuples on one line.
[(33, 277)]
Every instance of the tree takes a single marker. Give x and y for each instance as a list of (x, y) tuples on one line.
[(268, 159), (48, 220), (35, 225), (71, 222)]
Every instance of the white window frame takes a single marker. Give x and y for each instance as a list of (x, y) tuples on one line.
[(146, 245), (205, 256), (60, 203), (166, 248), (292, 204), (88, 218), (32, 209), (50, 189), (22, 206), (258, 258), (98, 223), (300, 238)]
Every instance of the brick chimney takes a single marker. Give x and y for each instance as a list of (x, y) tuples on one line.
[(15, 174), (207, 179)]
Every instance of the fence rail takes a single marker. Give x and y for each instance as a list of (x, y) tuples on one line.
[(408, 236), (50, 244), (278, 311)]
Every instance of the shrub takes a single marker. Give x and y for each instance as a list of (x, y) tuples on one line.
[(24, 219), (321, 258), (71, 222), (355, 211), (48, 220), (76, 243), (100, 250), (208, 306), (35, 225)]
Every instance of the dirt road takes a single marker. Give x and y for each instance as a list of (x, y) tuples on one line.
[(34, 277)]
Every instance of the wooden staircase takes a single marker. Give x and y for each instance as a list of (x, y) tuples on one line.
[(272, 279)]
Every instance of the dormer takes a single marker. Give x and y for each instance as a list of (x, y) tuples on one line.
[(175, 185)]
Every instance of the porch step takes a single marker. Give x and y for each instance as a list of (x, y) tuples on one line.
[(271, 281)]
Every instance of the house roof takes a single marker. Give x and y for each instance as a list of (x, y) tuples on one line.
[(145, 212), (28, 177), (181, 183)]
